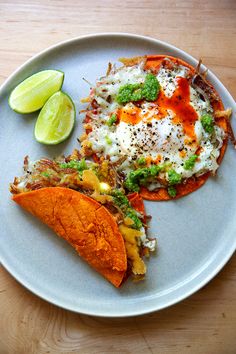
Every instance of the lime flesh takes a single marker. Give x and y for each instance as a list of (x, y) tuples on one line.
[(32, 93), (56, 119)]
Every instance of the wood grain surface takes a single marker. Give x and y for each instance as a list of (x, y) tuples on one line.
[(204, 323)]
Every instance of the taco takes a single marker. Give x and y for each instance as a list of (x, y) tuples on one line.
[(160, 123), (83, 203)]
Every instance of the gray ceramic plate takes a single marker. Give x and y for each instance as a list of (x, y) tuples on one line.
[(196, 234)]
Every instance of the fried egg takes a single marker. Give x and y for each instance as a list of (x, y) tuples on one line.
[(167, 130)]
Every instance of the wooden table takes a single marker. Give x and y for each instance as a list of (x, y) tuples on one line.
[(204, 323)]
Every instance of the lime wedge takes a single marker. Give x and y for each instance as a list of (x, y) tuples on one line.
[(32, 93), (56, 119)]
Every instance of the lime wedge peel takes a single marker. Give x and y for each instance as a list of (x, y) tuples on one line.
[(32, 93), (56, 119)]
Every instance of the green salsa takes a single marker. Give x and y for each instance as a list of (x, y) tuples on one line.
[(132, 214), (120, 199), (172, 191), (207, 123), (122, 202), (128, 93), (45, 174), (150, 88), (80, 166), (189, 164), (140, 177), (112, 120), (108, 140), (174, 177), (136, 92), (141, 161)]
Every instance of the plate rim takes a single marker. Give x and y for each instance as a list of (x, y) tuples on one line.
[(102, 313)]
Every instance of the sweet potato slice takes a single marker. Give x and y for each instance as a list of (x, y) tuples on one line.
[(154, 62), (84, 223)]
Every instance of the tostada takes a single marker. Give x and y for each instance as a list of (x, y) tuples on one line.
[(160, 122)]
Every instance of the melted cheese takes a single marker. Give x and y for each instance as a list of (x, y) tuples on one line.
[(131, 237)]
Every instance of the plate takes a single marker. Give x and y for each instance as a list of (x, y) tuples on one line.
[(196, 234)]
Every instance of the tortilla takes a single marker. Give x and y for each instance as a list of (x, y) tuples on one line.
[(137, 203), (84, 223)]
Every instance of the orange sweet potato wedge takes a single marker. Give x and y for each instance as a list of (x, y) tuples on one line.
[(84, 223), (192, 184)]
